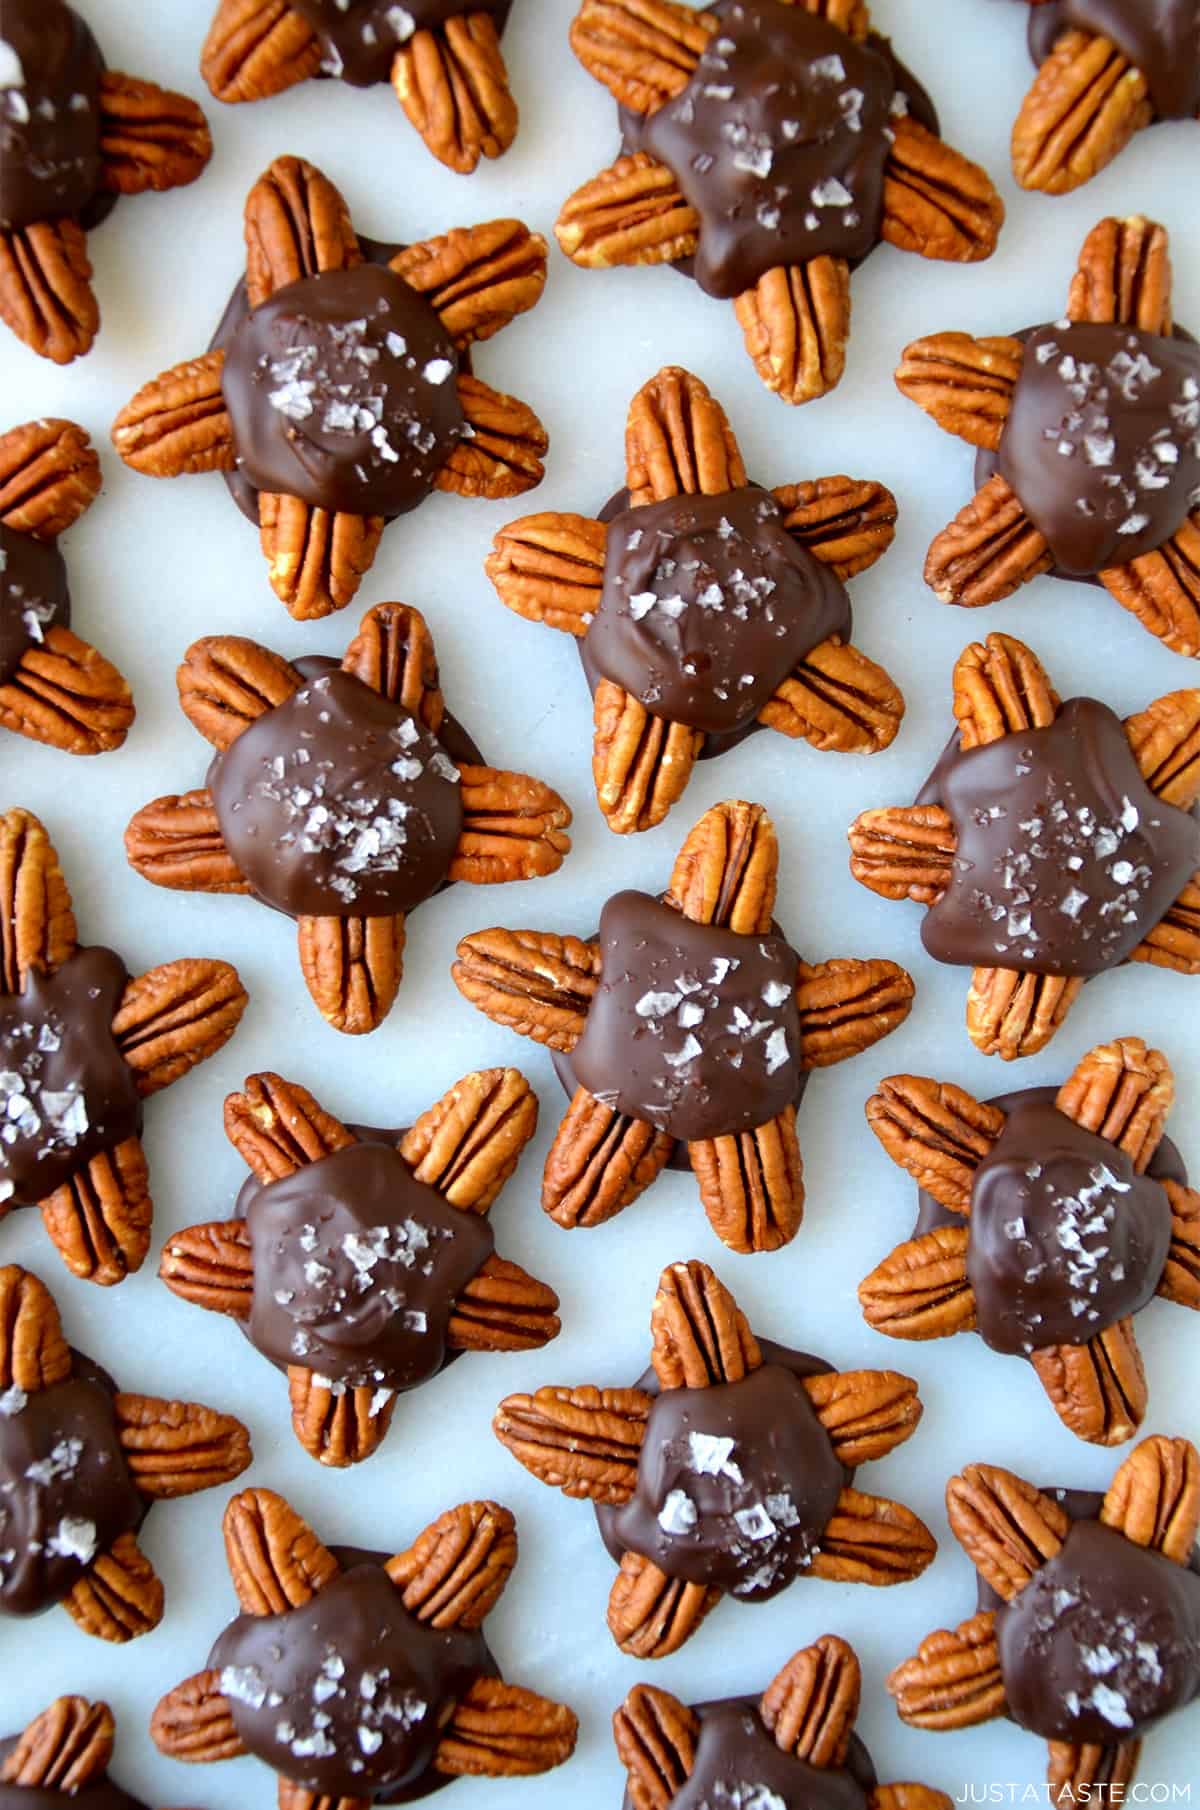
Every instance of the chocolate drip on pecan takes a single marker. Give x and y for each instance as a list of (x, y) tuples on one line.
[(739, 1763), (65, 1490), (50, 69), (693, 1029), (33, 593), (1065, 1238), (68, 1091), (1161, 39), (338, 803), (99, 1794), (1065, 858), (1103, 1641), (360, 38), (1100, 443), (357, 1266), (341, 391), (707, 605), (778, 141), (736, 1481), (348, 1695)]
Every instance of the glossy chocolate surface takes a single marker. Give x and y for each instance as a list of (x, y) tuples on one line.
[(33, 596), (50, 70), (779, 142), (1159, 37), (65, 1490), (708, 604), (1103, 1642), (357, 1266), (68, 1092), (1065, 859), (693, 1029), (1065, 1239), (736, 1482), (338, 803), (360, 38), (342, 391), (738, 1766), (103, 1795), (345, 1695), (1101, 441)]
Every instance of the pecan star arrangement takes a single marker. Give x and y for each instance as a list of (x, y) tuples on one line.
[(794, 1745), (61, 1760), (82, 1045), (1048, 1219), (360, 1261), (74, 138), (338, 392), (768, 147), (359, 1678), (705, 606), (1051, 838), (1088, 1630), (727, 1470), (442, 57), (1106, 70), (685, 1029), (1088, 437), (342, 796), (81, 1466), (54, 687)]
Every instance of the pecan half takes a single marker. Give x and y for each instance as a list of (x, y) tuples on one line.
[(641, 763), (276, 1126), (965, 384), (297, 225), (66, 694), (846, 523), (935, 200), (501, 1730), (477, 278), (1098, 1390), (1012, 1015), (904, 851), (656, 1737), (795, 323), (352, 968), (1123, 276), (632, 213), (275, 1559), (212, 1266), (866, 1413), (49, 474), (1079, 1770), (989, 550), (872, 1540), (100, 1219), (316, 559), (550, 568), (1123, 1092), (1085, 104), (33, 1352), (727, 871), (513, 827), (643, 51), (455, 1573), (700, 1334), (1165, 738), (678, 441), (1006, 1527), (847, 1004), (256, 48), (175, 1016), (651, 1615), (119, 1597), (503, 455), (935, 1131), (176, 842), (533, 982), (468, 1144), (583, 1441), (178, 422), (453, 85), (1154, 1499), (46, 289), (393, 653), (37, 925), (837, 698), (599, 1162), (812, 1704), (336, 1424), (503, 1308), (921, 1290), (65, 1749), (752, 1184), (1181, 1277), (194, 1722), (226, 682), (1000, 686), (150, 137), (1162, 589), (175, 1448), (953, 1680)]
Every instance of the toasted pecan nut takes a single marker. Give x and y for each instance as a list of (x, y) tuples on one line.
[(1000, 686), (644, 51), (1012, 1015), (837, 699), (456, 1572), (226, 682), (176, 1448), (727, 871), (178, 422), (503, 1308), (68, 695), (700, 1334), (1076, 1768), (100, 1219), (989, 550), (49, 474), (1175, 942), (338, 1425), (866, 1413), (393, 653), (177, 1015), (150, 138), (513, 827), (656, 1739), (641, 763), (1124, 274), (632, 213), (1181, 1277), (316, 559), (650, 1615), (872, 1540), (599, 1162), (965, 384), (478, 278), (194, 1722), (176, 842), (678, 441), (211, 1266), (297, 225), (1165, 738), (921, 1290), (936, 201), (796, 324), (937, 1132), (583, 1441), (953, 1680), (275, 1559), (1006, 1527), (37, 924), (811, 1705), (550, 568), (904, 851), (453, 85), (751, 1184), (503, 455), (33, 1352), (65, 1749), (501, 1730), (846, 523), (119, 1597), (46, 289), (535, 982), (1154, 1499), (1162, 589), (352, 968), (1098, 1390), (276, 1126), (1084, 106), (469, 1143), (847, 1005), (1123, 1092), (256, 48)]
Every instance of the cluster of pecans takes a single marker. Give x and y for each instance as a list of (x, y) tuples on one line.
[(767, 148)]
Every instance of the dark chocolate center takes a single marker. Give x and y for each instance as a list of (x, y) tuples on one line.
[(50, 71), (33, 596), (736, 1483), (1103, 1641), (1101, 442), (360, 38), (66, 1091), (338, 803), (1066, 859), (1159, 37), (739, 1766), (708, 604), (346, 1695), (65, 1489), (693, 1029), (778, 141), (342, 391), (1065, 1239), (356, 1268)]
